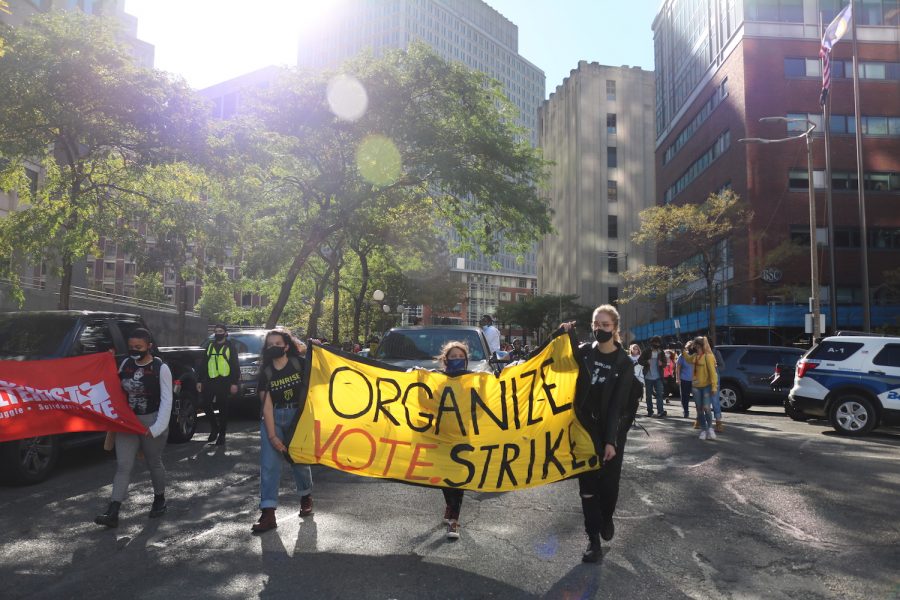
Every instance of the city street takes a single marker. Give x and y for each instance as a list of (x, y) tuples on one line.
[(772, 509)]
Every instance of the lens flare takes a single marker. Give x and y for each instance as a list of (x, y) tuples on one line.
[(378, 160), (347, 97)]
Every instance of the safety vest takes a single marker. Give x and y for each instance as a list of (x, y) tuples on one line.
[(217, 362)]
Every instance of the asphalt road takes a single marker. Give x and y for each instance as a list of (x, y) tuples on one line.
[(773, 509)]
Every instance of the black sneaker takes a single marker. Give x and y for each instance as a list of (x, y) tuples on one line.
[(593, 553), (159, 507), (662, 414), (649, 414), (607, 528)]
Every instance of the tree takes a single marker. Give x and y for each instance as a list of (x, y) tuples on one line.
[(149, 286), (695, 233), (4, 7), (436, 137), (217, 300), (78, 105), (542, 312)]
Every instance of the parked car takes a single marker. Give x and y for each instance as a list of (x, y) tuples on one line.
[(249, 345), (745, 378), (854, 381), (417, 346), (58, 334)]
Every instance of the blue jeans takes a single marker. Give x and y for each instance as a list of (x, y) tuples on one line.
[(651, 385), (703, 400), (270, 461)]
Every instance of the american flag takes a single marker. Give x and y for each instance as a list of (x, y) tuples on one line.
[(833, 33)]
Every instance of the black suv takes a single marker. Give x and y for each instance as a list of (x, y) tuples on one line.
[(744, 379)]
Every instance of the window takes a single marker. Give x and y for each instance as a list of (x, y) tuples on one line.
[(835, 351), (612, 190), (760, 357), (699, 166), (785, 11), (878, 12), (610, 90), (612, 295), (794, 67), (95, 337), (612, 262), (32, 176), (611, 123), (889, 356), (611, 158), (612, 226)]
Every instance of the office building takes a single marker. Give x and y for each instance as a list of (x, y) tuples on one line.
[(597, 129), (721, 66)]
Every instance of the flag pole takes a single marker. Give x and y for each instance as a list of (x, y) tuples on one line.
[(860, 181), (829, 210)]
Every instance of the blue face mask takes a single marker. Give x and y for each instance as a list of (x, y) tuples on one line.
[(455, 365)]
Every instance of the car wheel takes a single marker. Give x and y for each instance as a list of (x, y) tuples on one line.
[(852, 414), (184, 418), (30, 460), (791, 411), (730, 398)]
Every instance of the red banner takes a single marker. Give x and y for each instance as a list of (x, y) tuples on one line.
[(44, 397)]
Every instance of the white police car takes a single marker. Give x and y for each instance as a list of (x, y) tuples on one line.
[(852, 380)]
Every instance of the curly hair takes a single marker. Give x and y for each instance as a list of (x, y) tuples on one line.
[(447, 347)]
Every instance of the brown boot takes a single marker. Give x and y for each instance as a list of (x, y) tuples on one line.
[(719, 426), (266, 521)]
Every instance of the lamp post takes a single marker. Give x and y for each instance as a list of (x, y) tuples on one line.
[(813, 254)]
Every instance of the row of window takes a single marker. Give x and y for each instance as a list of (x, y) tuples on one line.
[(721, 144), (798, 179), (718, 95), (887, 126), (866, 12), (879, 238), (842, 69)]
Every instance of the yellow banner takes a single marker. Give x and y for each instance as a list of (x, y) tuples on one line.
[(476, 431)]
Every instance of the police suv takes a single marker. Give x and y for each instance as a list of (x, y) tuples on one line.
[(853, 380)]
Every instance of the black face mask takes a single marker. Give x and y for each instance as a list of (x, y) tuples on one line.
[(273, 352), (602, 336), (220, 336), (654, 346), (138, 354)]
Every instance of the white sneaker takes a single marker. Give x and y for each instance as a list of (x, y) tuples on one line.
[(711, 434), (703, 435)]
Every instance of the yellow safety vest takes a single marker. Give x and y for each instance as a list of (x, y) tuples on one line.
[(217, 363)]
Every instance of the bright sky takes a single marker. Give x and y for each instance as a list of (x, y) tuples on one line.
[(208, 41)]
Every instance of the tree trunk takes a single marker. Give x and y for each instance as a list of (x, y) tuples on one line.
[(711, 297), (361, 297), (180, 291), (65, 284), (336, 308), (313, 328), (309, 246)]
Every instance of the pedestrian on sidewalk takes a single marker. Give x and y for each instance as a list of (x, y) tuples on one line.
[(603, 410), (280, 380), (219, 379), (454, 358), (147, 381), (684, 374), (705, 385), (653, 359)]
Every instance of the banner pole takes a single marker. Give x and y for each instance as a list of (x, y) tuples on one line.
[(860, 182)]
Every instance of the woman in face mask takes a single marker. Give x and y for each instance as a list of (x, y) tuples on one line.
[(280, 382), (454, 358)]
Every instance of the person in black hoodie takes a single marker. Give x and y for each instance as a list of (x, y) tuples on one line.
[(604, 388)]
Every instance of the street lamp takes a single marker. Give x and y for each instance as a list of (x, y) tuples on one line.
[(813, 255)]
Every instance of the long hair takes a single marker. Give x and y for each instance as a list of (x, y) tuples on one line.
[(289, 341), (702, 344), (614, 314)]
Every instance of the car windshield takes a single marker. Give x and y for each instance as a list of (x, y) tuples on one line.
[(423, 344), (247, 343), (32, 336)]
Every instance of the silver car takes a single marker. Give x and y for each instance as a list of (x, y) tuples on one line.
[(409, 347)]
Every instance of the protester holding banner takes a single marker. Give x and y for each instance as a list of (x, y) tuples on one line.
[(600, 408), (454, 357), (147, 381), (280, 380)]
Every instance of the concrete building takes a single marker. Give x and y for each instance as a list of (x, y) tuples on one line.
[(467, 31), (721, 66), (597, 129)]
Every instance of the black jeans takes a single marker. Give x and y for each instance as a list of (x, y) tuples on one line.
[(454, 498), (216, 397), (602, 487)]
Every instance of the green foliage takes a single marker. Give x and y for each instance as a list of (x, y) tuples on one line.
[(149, 286), (692, 232), (79, 107), (217, 299), (543, 312), (436, 145)]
